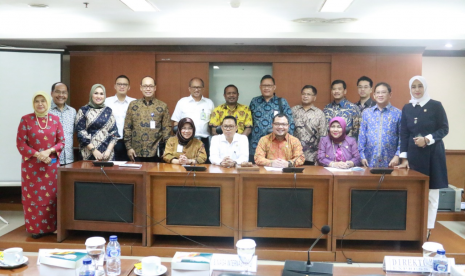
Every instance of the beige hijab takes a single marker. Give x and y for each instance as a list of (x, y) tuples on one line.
[(48, 99)]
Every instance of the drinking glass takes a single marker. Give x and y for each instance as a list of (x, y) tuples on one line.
[(245, 252), (95, 247)]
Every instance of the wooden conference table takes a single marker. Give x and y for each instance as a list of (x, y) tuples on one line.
[(240, 196)]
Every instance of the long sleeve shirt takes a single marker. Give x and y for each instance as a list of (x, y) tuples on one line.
[(269, 148), (379, 137), (327, 151), (237, 150)]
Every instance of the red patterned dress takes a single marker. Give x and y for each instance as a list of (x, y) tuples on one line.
[(39, 180)]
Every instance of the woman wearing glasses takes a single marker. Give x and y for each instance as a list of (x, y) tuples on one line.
[(96, 127), (229, 148), (337, 149), (183, 148)]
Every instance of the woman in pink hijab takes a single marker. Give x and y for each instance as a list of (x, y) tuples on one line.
[(337, 149)]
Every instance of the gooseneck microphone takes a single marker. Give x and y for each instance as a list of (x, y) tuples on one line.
[(324, 231), (296, 268)]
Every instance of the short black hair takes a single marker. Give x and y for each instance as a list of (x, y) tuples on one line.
[(337, 82), (365, 78), (196, 78), (267, 77), (230, 85), (280, 115), (229, 117), (123, 77), (55, 84), (384, 84), (308, 86), (154, 82)]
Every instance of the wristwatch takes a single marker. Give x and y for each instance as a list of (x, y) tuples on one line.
[(290, 164), (92, 149)]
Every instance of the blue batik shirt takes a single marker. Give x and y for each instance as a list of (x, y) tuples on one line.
[(347, 110), (379, 138), (67, 117), (262, 116)]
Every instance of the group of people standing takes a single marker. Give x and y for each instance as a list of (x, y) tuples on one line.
[(268, 132)]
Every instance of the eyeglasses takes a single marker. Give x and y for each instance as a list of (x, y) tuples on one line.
[(122, 84), (280, 125), (381, 92), (147, 86), (60, 92), (267, 85), (196, 87), (363, 87), (228, 126), (309, 95), (187, 128)]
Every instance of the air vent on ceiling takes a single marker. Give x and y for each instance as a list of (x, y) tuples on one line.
[(316, 20)]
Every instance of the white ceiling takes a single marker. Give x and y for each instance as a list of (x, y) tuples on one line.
[(423, 23)]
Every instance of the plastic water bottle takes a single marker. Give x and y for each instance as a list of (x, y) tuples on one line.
[(113, 257), (440, 263), (87, 268)]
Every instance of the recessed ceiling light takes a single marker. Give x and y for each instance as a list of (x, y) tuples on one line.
[(314, 20), (448, 45), (140, 5), (335, 5), (341, 20), (216, 67), (40, 6)]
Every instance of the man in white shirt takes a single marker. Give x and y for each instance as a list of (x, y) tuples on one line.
[(229, 148), (119, 105), (198, 108)]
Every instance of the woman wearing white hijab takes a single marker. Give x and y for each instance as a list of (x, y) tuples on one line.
[(423, 126)]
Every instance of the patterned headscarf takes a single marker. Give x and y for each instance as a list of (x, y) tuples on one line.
[(48, 99), (183, 141), (425, 98), (343, 124), (91, 101)]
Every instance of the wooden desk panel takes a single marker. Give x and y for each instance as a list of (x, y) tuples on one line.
[(316, 178), (165, 175), (84, 171), (416, 185)]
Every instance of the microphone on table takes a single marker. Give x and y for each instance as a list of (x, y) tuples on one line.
[(294, 268)]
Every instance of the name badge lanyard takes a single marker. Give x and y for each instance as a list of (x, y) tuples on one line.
[(152, 121)]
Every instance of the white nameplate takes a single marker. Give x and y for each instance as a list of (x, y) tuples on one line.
[(411, 264), (231, 262)]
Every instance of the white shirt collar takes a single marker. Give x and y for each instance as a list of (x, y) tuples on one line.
[(192, 98)]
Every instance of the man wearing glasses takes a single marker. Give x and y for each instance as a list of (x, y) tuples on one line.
[(198, 108), (119, 105), (147, 123), (67, 115), (263, 109), (279, 149), (310, 124), (229, 148), (364, 86), (232, 108)]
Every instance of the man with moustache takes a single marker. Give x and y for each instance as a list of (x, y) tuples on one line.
[(147, 123), (310, 124), (364, 86), (232, 108), (263, 109), (67, 115), (341, 107), (379, 138), (198, 108), (119, 105), (279, 149)]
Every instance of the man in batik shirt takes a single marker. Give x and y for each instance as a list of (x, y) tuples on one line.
[(310, 124), (379, 139), (232, 108), (341, 107)]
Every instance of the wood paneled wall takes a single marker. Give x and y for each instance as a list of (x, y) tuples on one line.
[(455, 163)]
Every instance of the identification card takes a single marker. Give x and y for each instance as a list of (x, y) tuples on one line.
[(180, 147), (203, 116), (152, 124)]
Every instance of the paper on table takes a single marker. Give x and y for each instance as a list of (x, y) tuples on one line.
[(119, 163), (337, 169), (271, 169)]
